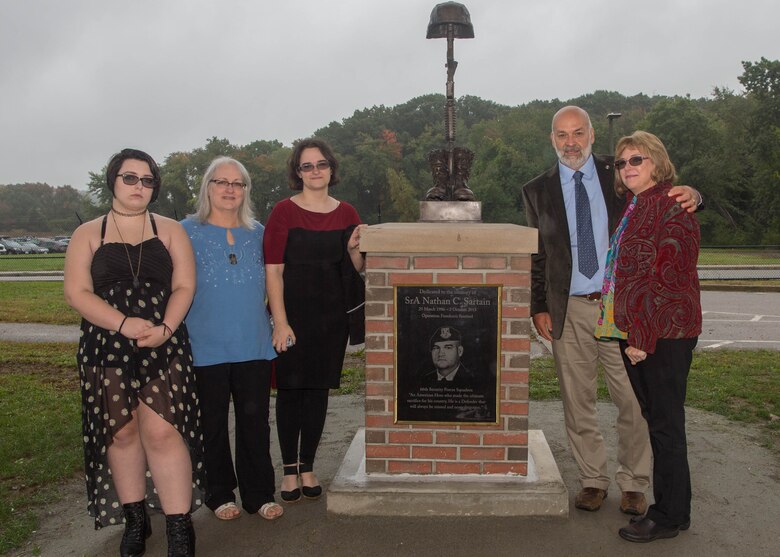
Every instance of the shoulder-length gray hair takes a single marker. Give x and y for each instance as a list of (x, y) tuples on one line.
[(246, 215)]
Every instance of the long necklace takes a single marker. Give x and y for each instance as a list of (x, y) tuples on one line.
[(136, 274), (121, 214), (232, 255)]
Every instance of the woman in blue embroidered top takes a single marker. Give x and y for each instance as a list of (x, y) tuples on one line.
[(231, 342)]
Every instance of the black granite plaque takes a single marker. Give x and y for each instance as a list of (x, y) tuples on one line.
[(446, 353)]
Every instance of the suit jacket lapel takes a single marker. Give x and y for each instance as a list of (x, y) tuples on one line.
[(555, 191)]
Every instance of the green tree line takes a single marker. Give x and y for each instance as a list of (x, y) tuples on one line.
[(726, 145)]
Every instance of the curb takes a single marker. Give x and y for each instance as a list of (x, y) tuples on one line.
[(738, 287), (32, 273)]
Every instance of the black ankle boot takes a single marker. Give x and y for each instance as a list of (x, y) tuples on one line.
[(138, 527), (295, 494), (181, 535)]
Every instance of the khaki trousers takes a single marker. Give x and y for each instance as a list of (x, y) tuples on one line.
[(577, 354)]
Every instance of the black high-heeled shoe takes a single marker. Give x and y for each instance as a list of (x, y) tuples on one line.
[(295, 494), (309, 491), (138, 528), (181, 535)]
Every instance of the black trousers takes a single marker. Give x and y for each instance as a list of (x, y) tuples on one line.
[(249, 383), (660, 383), (300, 419)]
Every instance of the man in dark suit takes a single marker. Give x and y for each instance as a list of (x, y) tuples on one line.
[(566, 277)]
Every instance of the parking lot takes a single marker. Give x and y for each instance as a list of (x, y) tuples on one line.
[(32, 245), (740, 320)]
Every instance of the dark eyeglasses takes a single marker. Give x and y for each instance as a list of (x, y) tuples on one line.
[(308, 167), (636, 160), (224, 184), (132, 179)]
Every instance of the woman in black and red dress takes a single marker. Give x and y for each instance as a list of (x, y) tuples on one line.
[(312, 246)]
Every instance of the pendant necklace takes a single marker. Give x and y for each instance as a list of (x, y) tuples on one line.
[(230, 240), (136, 282), (231, 256)]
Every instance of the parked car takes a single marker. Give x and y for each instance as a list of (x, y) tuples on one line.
[(13, 246), (29, 247), (34, 248), (3, 249), (52, 245)]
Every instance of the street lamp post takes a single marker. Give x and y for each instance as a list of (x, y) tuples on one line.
[(612, 116)]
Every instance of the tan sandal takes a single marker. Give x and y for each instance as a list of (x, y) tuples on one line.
[(266, 511), (228, 511)]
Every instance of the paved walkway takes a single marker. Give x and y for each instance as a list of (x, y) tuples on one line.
[(38, 332)]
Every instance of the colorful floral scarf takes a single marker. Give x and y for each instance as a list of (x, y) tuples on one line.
[(606, 324)]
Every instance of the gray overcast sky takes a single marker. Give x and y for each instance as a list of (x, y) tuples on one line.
[(80, 79)]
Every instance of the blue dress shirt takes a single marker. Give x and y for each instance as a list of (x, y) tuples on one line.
[(580, 284)]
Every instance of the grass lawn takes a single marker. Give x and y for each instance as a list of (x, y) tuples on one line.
[(742, 385), (42, 262), (738, 256), (353, 376), (40, 420), (35, 302)]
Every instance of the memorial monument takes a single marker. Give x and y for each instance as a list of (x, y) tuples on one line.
[(450, 198), (447, 354)]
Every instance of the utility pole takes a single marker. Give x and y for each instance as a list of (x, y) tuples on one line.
[(612, 116)]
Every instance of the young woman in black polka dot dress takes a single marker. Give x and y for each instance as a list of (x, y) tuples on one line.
[(131, 276)]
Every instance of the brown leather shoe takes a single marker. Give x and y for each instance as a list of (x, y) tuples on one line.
[(633, 502), (590, 498)]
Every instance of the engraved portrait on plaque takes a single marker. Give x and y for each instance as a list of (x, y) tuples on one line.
[(447, 353)]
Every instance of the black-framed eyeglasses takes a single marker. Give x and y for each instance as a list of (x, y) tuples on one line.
[(308, 167), (132, 179), (636, 160), (224, 184)]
